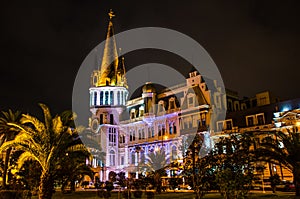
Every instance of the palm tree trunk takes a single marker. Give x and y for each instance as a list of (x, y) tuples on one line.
[(46, 186), (6, 162)]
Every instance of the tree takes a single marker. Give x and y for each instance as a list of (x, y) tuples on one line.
[(156, 163), (8, 133), (233, 161), (281, 148), (46, 142), (196, 168)]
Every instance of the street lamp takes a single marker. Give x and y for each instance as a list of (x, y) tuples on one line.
[(138, 150)]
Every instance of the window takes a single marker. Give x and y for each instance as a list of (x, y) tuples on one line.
[(130, 136), (111, 98), (174, 129), (220, 126), (132, 158), (149, 132), (122, 97), (159, 130), (161, 107), (143, 134), (191, 101), (122, 160), (118, 98), (141, 111), (172, 103), (140, 134), (228, 125), (152, 131), (106, 97), (250, 120), (101, 118), (171, 128), (101, 98), (163, 129), (112, 136), (174, 153), (111, 118), (95, 98), (133, 135), (122, 139), (260, 119), (112, 157), (132, 113)]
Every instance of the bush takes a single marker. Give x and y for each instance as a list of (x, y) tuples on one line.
[(14, 194)]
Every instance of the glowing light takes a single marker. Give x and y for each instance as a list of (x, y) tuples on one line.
[(286, 108), (277, 114), (278, 124), (297, 123)]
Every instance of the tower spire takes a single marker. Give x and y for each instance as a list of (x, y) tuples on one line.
[(110, 57)]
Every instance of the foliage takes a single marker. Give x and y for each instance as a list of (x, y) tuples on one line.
[(281, 148), (155, 166), (234, 164), (47, 142), (8, 133), (196, 168)]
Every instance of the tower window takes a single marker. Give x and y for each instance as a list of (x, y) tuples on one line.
[(101, 98), (112, 136), (106, 97), (95, 98), (118, 97), (111, 98)]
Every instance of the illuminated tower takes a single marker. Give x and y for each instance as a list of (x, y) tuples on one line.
[(108, 95)]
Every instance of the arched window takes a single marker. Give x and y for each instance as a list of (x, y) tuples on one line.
[(174, 153), (171, 128), (95, 98), (111, 98), (112, 157)]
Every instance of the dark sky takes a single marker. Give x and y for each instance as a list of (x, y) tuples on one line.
[(254, 43)]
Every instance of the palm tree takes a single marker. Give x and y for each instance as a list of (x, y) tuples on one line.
[(46, 142), (282, 148), (8, 133), (156, 163)]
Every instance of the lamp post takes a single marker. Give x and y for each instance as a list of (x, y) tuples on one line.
[(137, 150)]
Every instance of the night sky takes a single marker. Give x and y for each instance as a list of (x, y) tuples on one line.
[(254, 43)]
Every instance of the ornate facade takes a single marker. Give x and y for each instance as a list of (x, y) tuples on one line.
[(128, 130)]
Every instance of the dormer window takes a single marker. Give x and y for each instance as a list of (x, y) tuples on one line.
[(141, 111), (191, 100), (172, 104), (161, 107), (132, 113)]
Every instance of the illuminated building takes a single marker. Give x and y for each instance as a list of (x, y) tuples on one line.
[(128, 130)]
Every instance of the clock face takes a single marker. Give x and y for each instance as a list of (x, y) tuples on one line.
[(95, 125)]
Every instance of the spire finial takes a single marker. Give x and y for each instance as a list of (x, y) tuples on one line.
[(111, 14)]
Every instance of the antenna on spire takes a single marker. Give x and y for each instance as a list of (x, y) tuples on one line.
[(111, 14)]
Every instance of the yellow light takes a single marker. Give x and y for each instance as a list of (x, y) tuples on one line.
[(297, 123)]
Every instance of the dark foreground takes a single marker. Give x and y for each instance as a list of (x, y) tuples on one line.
[(115, 195)]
